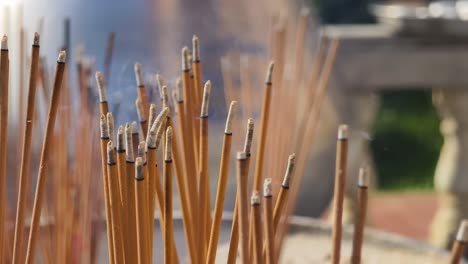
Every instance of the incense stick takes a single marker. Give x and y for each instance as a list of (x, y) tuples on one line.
[(257, 234), (103, 105), (263, 129), (141, 91), (112, 175), (108, 56), (104, 141), (340, 179), (141, 201), (197, 69), (4, 87), (363, 182), (26, 153), (167, 179), (141, 116), (242, 178), (43, 168), (203, 185), (234, 242), (222, 184), (459, 245), (268, 221), (130, 189)]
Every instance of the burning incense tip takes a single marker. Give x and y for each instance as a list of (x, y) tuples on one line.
[(289, 170), (104, 127), (120, 139), (160, 126), (130, 155), (165, 96), (343, 132), (255, 199), (179, 90), (267, 190), (5, 42), (462, 234), (36, 39), (230, 117), (62, 56), (111, 153), (185, 59), (142, 151), (152, 114), (110, 124), (134, 127), (168, 150), (101, 87), (196, 48), (138, 74), (139, 169), (249, 136), (363, 178), (206, 101), (269, 75), (241, 155), (140, 110), (160, 81)]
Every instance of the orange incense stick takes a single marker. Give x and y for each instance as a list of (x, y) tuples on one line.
[(4, 86), (458, 247), (167, 179), (268, 222), (141, 201), (130, 189), (257, 228), (360, 221), (43, 168), (243, 211)]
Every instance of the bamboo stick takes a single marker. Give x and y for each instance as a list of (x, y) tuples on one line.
[(104, 141), (242, 178), (43, 167), (141, 202), (130, 189), (458, 247), (263, 129), (4, 87), (340, 181), (257, 234), (112, 175), (203, 185), (222, 184), (268, 222), (360, 221), (167, 179), (26, 153), (234, 241)]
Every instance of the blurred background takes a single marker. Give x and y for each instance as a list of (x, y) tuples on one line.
[(401, 143)]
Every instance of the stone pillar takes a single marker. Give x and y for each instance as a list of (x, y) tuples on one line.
[(451, 178)]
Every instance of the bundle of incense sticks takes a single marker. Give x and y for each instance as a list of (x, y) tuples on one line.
[(171, 140)]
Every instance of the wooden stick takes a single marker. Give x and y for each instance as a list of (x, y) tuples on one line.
[(268, 221), (26, 153), (234, 241), (141, 202), (242, 179), (258, 236), (105, 182), (187, 150), (263, 129), (123, 195), (130, 189), (360, 221), (167, 179), (458, 247), (141, 90), (189, 105), (203, 185), (222, 184), (4, 86), (148, 236), (340, 181), (43, 167), (112, 175)]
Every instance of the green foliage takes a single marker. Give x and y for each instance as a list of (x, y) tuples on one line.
[(407, 140)]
